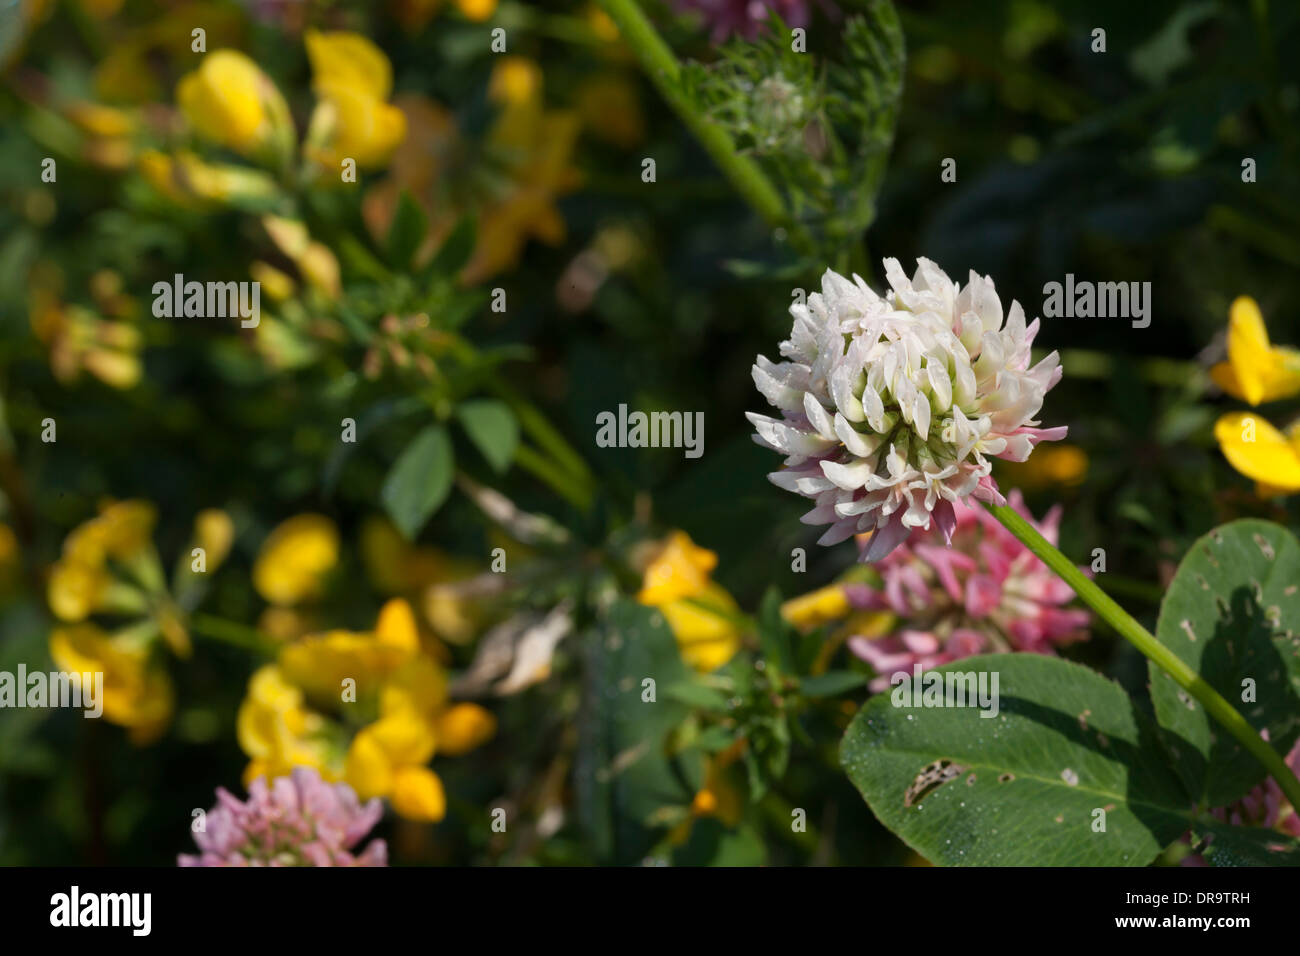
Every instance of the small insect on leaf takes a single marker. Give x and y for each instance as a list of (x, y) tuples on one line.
[(932, 776)]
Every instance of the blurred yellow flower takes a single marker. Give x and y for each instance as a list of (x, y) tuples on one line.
[(680, 569), (816, 608), (225, 101), (701, 613), (1259, 451), (79, 340), (705, 628), (281, 721), (138, 692), (536, 146), (463, 727), (1256, 371), (214, 532), (515, 80), (414, 14), (295, 558), (352, 78), (1057, 464)]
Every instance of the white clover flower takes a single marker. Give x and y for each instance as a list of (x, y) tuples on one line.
[(892, 406)]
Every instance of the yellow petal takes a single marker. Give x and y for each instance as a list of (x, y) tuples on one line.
[(477, 10), (1259, 451), (351, 60), (418, 795), (816, 608), (1263, 372), (367, 768), (295, 558), (222, 99), (681, 569), (462, 727), (396, 626), (707, 638), (214, 532)]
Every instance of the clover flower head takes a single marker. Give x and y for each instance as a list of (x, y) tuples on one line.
[(892, 406), (298, 820), (980, 592)]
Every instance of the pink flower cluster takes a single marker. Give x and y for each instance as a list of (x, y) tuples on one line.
[(985, 593), (745, 17), (294, 821), (1265, 806)]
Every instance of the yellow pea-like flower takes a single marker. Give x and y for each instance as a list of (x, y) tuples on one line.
[(816, 607), (462, 727), (137, 694), (351, 60), (223, 100), (680, 569), (295, 558), (214, 532), (706, 632), (418, 795), (1256, 371), (1259, 451)]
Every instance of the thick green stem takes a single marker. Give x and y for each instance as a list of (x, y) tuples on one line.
[(1144, 641), (664, 71)]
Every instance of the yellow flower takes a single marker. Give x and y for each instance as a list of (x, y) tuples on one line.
[(700, 612), (214, 532), (276, 730), (418, 795), (463, 727), (515, 80), (79, 339), (396, 680), (352, 78), (224, 100), (137, 693), (1259, 451), (351, 60), (76, 589), (537, 146), (704, 626), (816, 608), (315, 262), (1256, 371), (1057, 464), (414, 14), (295, 558), (680, 569)]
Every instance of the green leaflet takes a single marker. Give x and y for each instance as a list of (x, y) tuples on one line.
[(1233, 614), (1065, 744)]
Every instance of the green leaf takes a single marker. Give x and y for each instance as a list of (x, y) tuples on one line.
[(775, 636), (493, 428), (1232, 614), (419, 480), (407, 231), (455, 250), (697, 696), (1244, 846), (622, 774), (1023, 787), (831, 684)]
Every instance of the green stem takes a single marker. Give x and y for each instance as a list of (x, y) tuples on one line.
[(228, 632), (665, 72), (1144, 641)]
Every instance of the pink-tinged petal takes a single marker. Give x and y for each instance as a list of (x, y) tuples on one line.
[(987, 490), (885, 539), (983, 594), (920, 642)]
